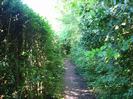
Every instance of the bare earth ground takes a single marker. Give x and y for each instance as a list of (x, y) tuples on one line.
[(75, 86)]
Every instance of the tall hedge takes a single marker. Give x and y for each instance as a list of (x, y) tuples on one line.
[(30, 61)]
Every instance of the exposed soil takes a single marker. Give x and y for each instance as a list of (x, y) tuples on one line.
[(75, 86)]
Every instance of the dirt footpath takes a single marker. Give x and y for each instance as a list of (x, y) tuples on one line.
[(75, 87)]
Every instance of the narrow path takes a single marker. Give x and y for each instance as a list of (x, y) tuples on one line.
[(75, 87)]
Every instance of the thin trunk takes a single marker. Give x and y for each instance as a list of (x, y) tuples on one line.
[(114, 2), (125, 3)]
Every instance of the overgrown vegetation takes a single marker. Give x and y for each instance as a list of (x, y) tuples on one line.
[(30, 59), (96, 33), (103, 51)]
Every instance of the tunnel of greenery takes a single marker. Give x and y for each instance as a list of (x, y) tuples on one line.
[(30, 60), (97, 35)]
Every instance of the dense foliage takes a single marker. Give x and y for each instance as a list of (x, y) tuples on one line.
[(104, 52), (30, 60)]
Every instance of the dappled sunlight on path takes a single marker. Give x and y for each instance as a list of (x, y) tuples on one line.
[(75, 87)]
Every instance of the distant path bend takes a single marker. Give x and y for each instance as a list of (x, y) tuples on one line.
[(75, 87)]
